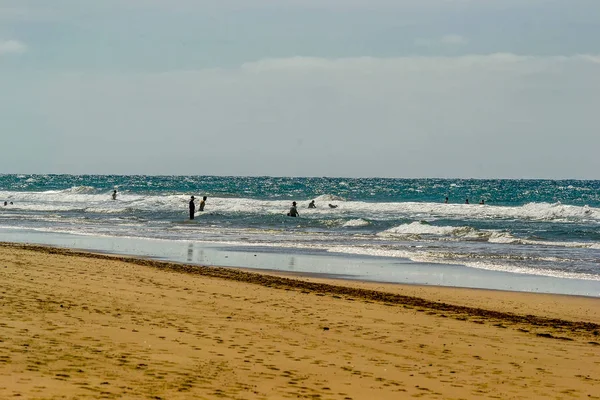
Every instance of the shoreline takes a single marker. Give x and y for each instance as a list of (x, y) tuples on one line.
[(341, 287), (343, 281), (87, 325), (355, 268)]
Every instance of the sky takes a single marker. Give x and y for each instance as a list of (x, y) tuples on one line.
[(348, 88)]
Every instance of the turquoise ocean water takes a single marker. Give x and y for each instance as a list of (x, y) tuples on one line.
[(536, 227)]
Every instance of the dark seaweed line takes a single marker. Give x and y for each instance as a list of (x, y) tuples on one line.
[(290, 283)]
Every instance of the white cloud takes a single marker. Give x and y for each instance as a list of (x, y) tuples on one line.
[(499, 115), (12, 47)]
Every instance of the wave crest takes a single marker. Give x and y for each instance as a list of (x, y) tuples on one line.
[(80, 190), (423, 228), (355, 223), (328, 197), (417, 230)]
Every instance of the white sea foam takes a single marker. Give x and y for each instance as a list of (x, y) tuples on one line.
[(422, 228), (580, 245), (387, 211), (328, 197), (355, 223), (445, 258), (372, 251), (80, 190), (89, 198), (410, 210), (502, 238), (519, 269)]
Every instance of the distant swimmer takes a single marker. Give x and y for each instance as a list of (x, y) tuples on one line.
[(482, 201), (332, 205), (202, 204), (114, 194), (467, 201), (446, 201), (312, 204), (5, 203), (293, 210), (192, 208)]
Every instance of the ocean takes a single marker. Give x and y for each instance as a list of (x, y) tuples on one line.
[(539, 228)]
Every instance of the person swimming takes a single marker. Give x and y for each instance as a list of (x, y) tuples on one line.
[(293, 210), (332, 205), (446, 201), (202, 204), (312, 204), (114, 194)]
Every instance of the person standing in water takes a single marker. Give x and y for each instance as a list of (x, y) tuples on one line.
[(293, 210), (446, 201), (202, 204), (114, 194), (312, 204), (192, 208)]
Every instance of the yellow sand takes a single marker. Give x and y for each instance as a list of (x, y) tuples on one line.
[(73, 326)]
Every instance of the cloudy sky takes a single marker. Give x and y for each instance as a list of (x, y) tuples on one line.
[(354, 88)]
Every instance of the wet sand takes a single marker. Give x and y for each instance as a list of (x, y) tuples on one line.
[(81, 325)]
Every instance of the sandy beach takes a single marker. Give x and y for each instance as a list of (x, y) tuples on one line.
[(82, 325)]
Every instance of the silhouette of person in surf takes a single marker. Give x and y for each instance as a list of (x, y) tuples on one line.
[(202, 204), (312, 204), (293, 210), (192, 207), (114, 194), (332, 205), (467, 201), (446, 201)]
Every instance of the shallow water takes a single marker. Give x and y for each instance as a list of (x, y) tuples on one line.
[(533, 227), (311, 262)]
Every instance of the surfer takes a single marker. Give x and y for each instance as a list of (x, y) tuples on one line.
[(192, 207), (114, 194), (332, 205), (312, 204), (293, 210), (202, 204)]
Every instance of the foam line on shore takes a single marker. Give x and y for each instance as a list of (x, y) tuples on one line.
[(350, 293)]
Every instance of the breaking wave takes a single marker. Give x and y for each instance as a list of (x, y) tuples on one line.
[(355, 223)]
